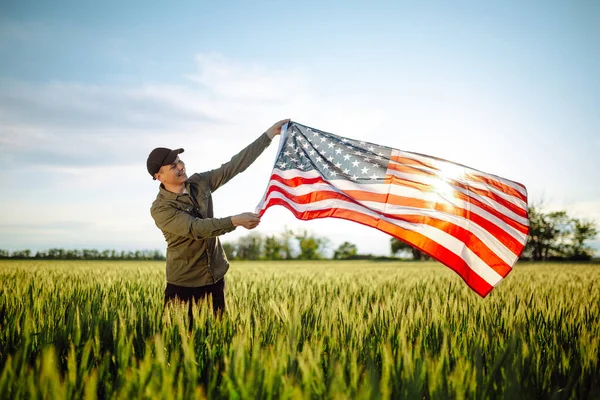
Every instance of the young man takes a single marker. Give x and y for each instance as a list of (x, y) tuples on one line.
[(183, 210)]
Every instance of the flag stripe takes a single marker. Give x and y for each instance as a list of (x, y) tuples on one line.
[(516, 205), (494, 222), (434, 183), (514, 220), (478, 240), (513, 188), (384, 203), (471, 269)]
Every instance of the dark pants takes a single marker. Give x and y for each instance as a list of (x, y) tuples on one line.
[(193, 295)]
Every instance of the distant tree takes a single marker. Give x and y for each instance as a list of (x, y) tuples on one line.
[(344, 251), (556, 236), (311, 247), (229, 249), (273, 248), (399, 246), (547, 234), (581, 232), (249, 247), (21, 254), (41, 255), (285, 239)]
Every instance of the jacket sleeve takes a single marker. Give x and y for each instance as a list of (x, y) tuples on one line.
[(238, 163), (170, 219)]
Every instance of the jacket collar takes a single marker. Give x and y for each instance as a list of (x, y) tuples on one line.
[(173, 196)]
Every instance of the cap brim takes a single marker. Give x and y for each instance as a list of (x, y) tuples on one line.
[(172, 156)]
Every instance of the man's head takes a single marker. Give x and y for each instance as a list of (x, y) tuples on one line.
[(164, 164)]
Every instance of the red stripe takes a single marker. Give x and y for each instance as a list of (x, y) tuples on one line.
[(482, 192), (429, 188), (512, 243), (411, 161), (417, 240), (501, 186), (468, 238), (471, 173)]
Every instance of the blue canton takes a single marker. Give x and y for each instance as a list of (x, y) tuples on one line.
[(332, 156)]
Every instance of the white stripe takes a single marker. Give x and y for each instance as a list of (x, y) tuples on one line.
[(382, 188), (486, 237), (440, 237), (442, 163)]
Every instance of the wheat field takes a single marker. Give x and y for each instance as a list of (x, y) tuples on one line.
[(299, 330)]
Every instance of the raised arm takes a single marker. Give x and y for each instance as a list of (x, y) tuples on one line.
[(238, 163)]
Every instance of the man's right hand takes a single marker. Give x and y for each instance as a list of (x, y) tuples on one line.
[(247, 220)]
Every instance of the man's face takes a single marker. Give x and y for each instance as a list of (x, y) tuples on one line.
[(172, 174)]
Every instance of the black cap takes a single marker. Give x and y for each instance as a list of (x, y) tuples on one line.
[(161, 156)]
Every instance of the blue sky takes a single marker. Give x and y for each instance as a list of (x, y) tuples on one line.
[(87, 89)]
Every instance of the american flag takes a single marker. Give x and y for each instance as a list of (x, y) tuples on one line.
[(473, 222)]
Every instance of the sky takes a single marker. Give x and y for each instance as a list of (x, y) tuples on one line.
[(88, 89)]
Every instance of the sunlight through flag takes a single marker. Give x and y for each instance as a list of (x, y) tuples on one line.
[(473, 222)]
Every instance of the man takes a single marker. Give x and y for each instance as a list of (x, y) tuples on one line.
[(183, 210)]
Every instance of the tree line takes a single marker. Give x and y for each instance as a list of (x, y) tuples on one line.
[(83, 254), (552, 236)]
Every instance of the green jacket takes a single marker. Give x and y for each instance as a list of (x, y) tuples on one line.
[(195, 256)]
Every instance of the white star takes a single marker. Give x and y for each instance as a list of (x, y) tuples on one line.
[(306, 145), (294, 159), (338, 165), (287, 154), (355, 163), (363, 143), (301, 166), (338, 151), (325, 167), (333, 173), (367, 159), (375, 165), (354, 177), (330, 158), (374, 177), (357, 153), (380, 154), (347, 157), (344, 140), (312, 152), (323, 139), (364, 170), (291, 145), (371, 148), (346, 171), (319, 159), (282, 164), (378, 158), (330, 145), (315, 134)]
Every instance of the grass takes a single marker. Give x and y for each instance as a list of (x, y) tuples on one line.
[(299, 330)]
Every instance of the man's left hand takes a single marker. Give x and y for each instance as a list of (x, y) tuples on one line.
[(276, 128)]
